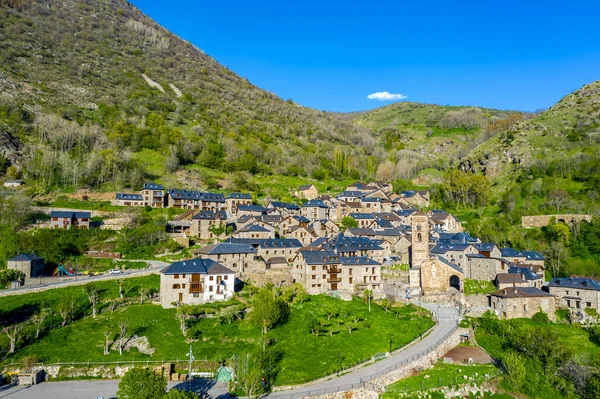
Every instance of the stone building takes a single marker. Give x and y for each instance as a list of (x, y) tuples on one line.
[(480, 267), (522, 302), (315, 210), (184, 199), (195, 282), (233, 200), (576, 292), (236, 257), (30, 264), (66, 220), (437, 275), (307, 191), (124, 199), (419, 239), (511, 280), (153, 195), (255, 231), (204, 224)]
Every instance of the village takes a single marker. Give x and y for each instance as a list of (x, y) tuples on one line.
[(366, 238)]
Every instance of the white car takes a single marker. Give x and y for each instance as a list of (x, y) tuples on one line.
[(115, 271)]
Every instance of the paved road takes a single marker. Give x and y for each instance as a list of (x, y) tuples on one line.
[(448, 318), (154, 267), (101, 388)]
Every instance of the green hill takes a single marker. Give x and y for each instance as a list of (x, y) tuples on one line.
[(97, 94)]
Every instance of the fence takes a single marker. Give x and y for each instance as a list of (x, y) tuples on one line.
[(458, 380), (365, 382), (119, 363)]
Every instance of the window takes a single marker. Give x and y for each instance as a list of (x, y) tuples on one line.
[(419, 237), (210, 288), (225, 277), (176, 286), (324, 276), (350, 271), (211, 278), (176, 276), (588, 304), (183, 276), (314, 277), (324, 267), (350, 280), (314, 268), (182, 285), (196, 295)]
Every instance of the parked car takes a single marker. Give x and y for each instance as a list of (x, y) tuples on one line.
[(115, 271)]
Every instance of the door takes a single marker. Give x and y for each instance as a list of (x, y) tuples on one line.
[(181, 297), (334, 287)]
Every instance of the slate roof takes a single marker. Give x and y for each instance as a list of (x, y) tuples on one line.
[(342, 243), (226, 248), (267, 242), (371, 199), (302, 219), (305, 187), (239, 196), (152, 186), (314, 203), (210, 215), (443, 248), (452, 265), (70, 215), (520, 292), (508, 278), (359, 216), (385, 224), (196, 195), (525, 271), (359, 231), (405, 212), (251, 208), (513, 253), (284, 205), (131, 197), (25, 258), (485, 247), (330, 257), (583, 283), (271, 218), (349, 193), (456, 238), (253, 228), (202, 266)]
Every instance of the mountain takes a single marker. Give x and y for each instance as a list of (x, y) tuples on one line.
[(564, 136), (98, 94)]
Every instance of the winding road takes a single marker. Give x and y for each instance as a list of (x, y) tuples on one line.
[(447, 321)]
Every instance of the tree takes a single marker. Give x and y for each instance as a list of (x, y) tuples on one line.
[(143, 294), (183, 314), (349, 222), (65, 308), (120, 284), (38, 320), (14, 334), (141, 384), (247, 374), (514, 365), (175, 393), (540, 318), (92, 294), (556, 254), (267, 310), (312, 324), (122, 337), (107, 337), (558, 198)]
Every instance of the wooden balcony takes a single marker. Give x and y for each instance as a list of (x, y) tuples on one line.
[(334, 279), (196, 288)]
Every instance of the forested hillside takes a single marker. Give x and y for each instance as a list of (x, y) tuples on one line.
[(96, 94)]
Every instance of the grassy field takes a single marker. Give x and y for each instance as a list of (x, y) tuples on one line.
[(474, 287), (304, 356), (440, 395), (442, 375)]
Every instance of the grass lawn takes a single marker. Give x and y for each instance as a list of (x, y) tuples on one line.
[(474, 287), (441, 375), (440, 395), (304, 356)]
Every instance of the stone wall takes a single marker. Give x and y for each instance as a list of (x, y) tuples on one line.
[(543, 220)]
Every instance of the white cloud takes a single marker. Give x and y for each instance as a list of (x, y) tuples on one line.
[(385, 96)]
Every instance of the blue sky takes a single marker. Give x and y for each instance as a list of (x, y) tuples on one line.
[(331, 55)]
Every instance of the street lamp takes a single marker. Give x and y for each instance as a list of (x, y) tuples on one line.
[(391, 336), (191, 356), (75, 268), (339, 364), (370, 289)]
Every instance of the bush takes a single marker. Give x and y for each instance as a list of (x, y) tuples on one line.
[(540, 318)]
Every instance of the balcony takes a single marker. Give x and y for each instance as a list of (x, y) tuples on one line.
[(334, 270), (196, 288), (334, 280)]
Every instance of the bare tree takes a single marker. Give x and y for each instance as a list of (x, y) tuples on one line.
[(107, 337), (39, 319), (64, 309), (13, 333), (122, 337), (183, 314), (558, 198), (247, 374), (556, 253), (143, 294), (120, 284), (93, 297)]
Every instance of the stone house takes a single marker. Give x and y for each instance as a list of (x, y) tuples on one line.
[(522, 302), (30, 264), (304, 234), (195, 282), (233, 200), (237, 257), (184, 199), (438, 275), (283, 247), (286, 209), (481, 267), (255, 231), (576, 292), (315, 210), (371, 205), (291, 222), (534, 279), (250, 210), (455, 253), (364, 220), (489, 250), (153, 195), (405, 216), (445, 221), (325, 271), (324, 228), (419, 199), (66, 220), (124, 199), (510, 280), (307, 191), (204, 223), (525, 257)]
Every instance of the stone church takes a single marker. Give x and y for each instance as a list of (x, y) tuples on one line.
[(432, 274)]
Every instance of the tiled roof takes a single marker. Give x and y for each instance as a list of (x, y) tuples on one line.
[(202, 266), (525, 271), (196, 195), (508, 278), (314, 203), (70, 215), (253, 228), (284, 205), (210, 215), (239, 196), (443, 248), (251, 208), (304, 187), (152, 186)]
